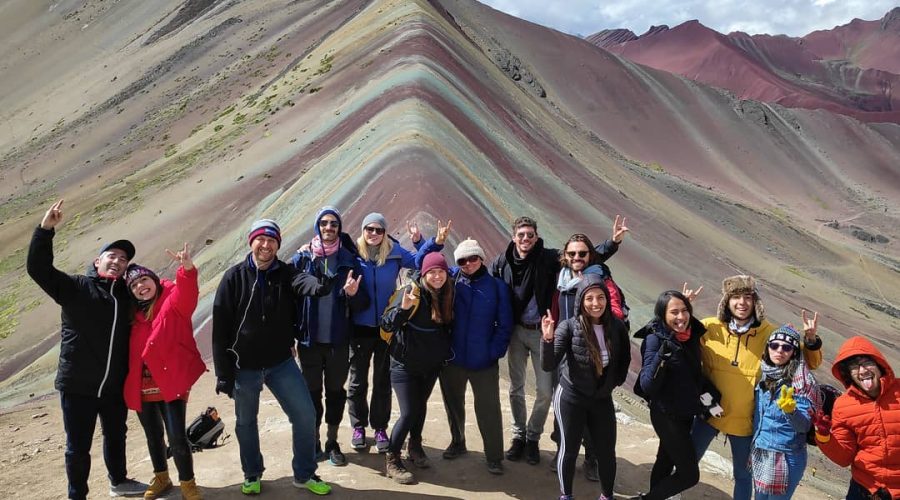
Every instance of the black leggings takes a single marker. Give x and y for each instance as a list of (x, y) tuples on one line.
[(412, 390), (597, 415), (676, 450), (153, 417)]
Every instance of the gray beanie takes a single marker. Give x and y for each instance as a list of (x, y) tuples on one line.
[(467, 248), (374, 217)]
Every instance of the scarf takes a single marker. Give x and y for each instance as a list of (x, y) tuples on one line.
[(567, 281), (683, 336), (322, 249), (523, 275), (733, 326), (772, 374)]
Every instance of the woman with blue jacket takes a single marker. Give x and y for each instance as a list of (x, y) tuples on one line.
[(482, 312), (785, 395), (672, 381), (381, 258)]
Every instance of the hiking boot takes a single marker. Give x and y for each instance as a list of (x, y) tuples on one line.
[(455, 450), (495, 467), (417, 455), (394, 469), (553, 462), (128, 488), (516, 450), (158, 485), (358, 441), (532, 452), (591, 469), (334, 454), (314, 484), (190, 491), (251, 486), (382, 441)]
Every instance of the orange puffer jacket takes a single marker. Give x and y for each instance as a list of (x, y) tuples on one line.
[(865, 433)]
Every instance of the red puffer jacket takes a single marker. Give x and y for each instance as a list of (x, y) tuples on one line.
[(866, 433), (166, 344)]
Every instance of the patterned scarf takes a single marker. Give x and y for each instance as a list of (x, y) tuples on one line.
[(322, 249)]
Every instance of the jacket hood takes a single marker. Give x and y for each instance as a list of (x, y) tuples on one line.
[(328, 209), (588, 282), (736, 285), (861, 346)]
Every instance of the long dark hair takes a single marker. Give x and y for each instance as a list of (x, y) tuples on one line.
[(579, 237), (662, 304), (606, 321), (441, 300)]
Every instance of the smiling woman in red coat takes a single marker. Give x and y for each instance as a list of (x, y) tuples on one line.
[(864, 429), (163, 365)]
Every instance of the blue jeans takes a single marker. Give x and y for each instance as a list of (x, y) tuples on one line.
[(702, 435), (796, 463), (289, 388)]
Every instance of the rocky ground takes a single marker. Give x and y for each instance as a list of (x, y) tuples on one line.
[(32, 443)]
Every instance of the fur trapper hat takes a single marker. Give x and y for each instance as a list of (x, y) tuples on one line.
[(737, 285)]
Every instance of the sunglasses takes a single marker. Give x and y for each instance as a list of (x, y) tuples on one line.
[(376, 230), (523, 236), (580, 253), (856, 365), (467, 260), (778, 346), (329, 223)]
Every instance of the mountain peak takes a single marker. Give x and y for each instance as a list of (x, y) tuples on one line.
[(891, 20)]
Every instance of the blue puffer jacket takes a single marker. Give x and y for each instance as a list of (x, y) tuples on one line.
[(773, 429), (482, 315), (381, 281)]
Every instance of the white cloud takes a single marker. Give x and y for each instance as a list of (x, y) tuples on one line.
[(788, 17)]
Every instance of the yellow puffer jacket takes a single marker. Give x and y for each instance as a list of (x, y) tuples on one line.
[(731, 363)]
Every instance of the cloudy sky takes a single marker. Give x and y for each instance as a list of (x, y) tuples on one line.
[(789, 17)]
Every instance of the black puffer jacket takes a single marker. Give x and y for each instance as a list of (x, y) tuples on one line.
[(673, 386), (570, 352), (96, 323), (419, 344), (255, 315)]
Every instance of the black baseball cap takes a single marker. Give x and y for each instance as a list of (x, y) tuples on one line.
[(123, 245)]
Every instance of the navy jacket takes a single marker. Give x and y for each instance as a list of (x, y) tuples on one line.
[(676, 386), (381, 281), (308, 307)]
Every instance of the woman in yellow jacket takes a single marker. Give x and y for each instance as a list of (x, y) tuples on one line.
[(731, 351)]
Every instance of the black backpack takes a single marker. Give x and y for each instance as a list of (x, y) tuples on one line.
[(204, 432), (827, 396)]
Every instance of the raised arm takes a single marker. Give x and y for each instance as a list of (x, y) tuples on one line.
[(60, 286), (187, 289)]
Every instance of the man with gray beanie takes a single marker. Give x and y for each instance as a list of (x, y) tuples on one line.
[(253, 337), (325, 325), (482, 325), (93, 354)]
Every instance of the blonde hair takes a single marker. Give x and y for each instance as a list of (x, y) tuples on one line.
[(384, 249)]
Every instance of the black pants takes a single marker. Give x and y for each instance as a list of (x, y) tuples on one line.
[(676, 450), (486, 390), (599, 416), (369, 349), (331, 364), (585, 441), (154, 416), (80, 418), (413, 391)]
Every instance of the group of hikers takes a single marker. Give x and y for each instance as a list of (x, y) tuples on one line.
[(315, 329)]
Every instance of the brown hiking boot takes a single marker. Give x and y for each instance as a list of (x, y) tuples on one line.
[(395, 470), (159, 485), (190, 491)]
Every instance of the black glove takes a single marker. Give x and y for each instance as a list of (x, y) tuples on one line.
[(225, 386), (666, 350)]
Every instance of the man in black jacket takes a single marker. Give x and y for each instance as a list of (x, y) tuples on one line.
[(93, 355), (531, 270), (254, 339)]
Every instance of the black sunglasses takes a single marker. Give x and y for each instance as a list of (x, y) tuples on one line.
[(525, 235), (376, 230), (327, 223), (778, 346), (467, 260), (580, 253)]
